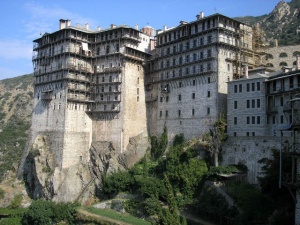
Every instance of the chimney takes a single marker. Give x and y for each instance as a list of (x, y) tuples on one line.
[(136, 26), (201, 15), (165, 28), (86, 26), (246, 72), (297, 62), (62, 24), (98, 28), (68, 23), (112, 26)]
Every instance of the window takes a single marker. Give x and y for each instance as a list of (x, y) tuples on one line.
[(179, 112), (235, 88), (258, 103), (194, 56), (235, 120), (283, 55), (208, 80), (208, 53), (194, 43), (253, 103), (167, 98), (253, 119), (187, 58), (253, 134), (187, 45), (208, 111), (291, 79), (208, 94), (240, 87), (180, 84), (161, 99), (281, 101), (248, 87), (193, 95), (253, 86), (248, 104), (273, 119), (160, 113), (247, 134), (194, 82), (258, 86), (179, 97), (248, 119), (228, 67), (258, 120), (180, 60), (234, 134), (235, 105), (281, 119), (209, 39), (103, 79), (167, 113), (193, 112), (187, 71)]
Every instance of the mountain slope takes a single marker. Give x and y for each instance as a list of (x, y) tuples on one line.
[(15, 117), (283, 23)]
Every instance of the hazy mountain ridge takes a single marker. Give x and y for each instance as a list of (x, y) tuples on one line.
[(283, 23)]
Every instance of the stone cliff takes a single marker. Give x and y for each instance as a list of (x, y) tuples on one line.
[(79, 182)]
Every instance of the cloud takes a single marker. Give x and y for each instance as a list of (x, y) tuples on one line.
[(15, 49), (46, 19)]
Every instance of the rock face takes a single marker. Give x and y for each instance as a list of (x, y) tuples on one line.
[(282, 9), (79, 182)]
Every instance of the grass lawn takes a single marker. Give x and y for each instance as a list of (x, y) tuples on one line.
[(126, 218)]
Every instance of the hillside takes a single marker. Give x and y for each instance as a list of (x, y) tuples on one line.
[(283, 23), (15, 116)]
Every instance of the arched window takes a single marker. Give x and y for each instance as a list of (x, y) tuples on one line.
[(296, 53), (283, 64), (283, 55), (269, 56), (270, 65)]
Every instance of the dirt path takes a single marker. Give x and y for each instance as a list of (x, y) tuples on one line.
[(85, 213)]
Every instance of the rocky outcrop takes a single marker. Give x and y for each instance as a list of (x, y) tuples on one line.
[(44, 180), (77, 183), (282, 9)]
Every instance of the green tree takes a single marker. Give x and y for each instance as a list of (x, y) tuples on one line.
[(212, 140), (159, 146)]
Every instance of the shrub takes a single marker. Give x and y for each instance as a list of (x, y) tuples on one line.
[(16, 202), (42, 212)]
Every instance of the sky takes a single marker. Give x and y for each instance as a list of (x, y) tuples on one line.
[(22, 21)]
